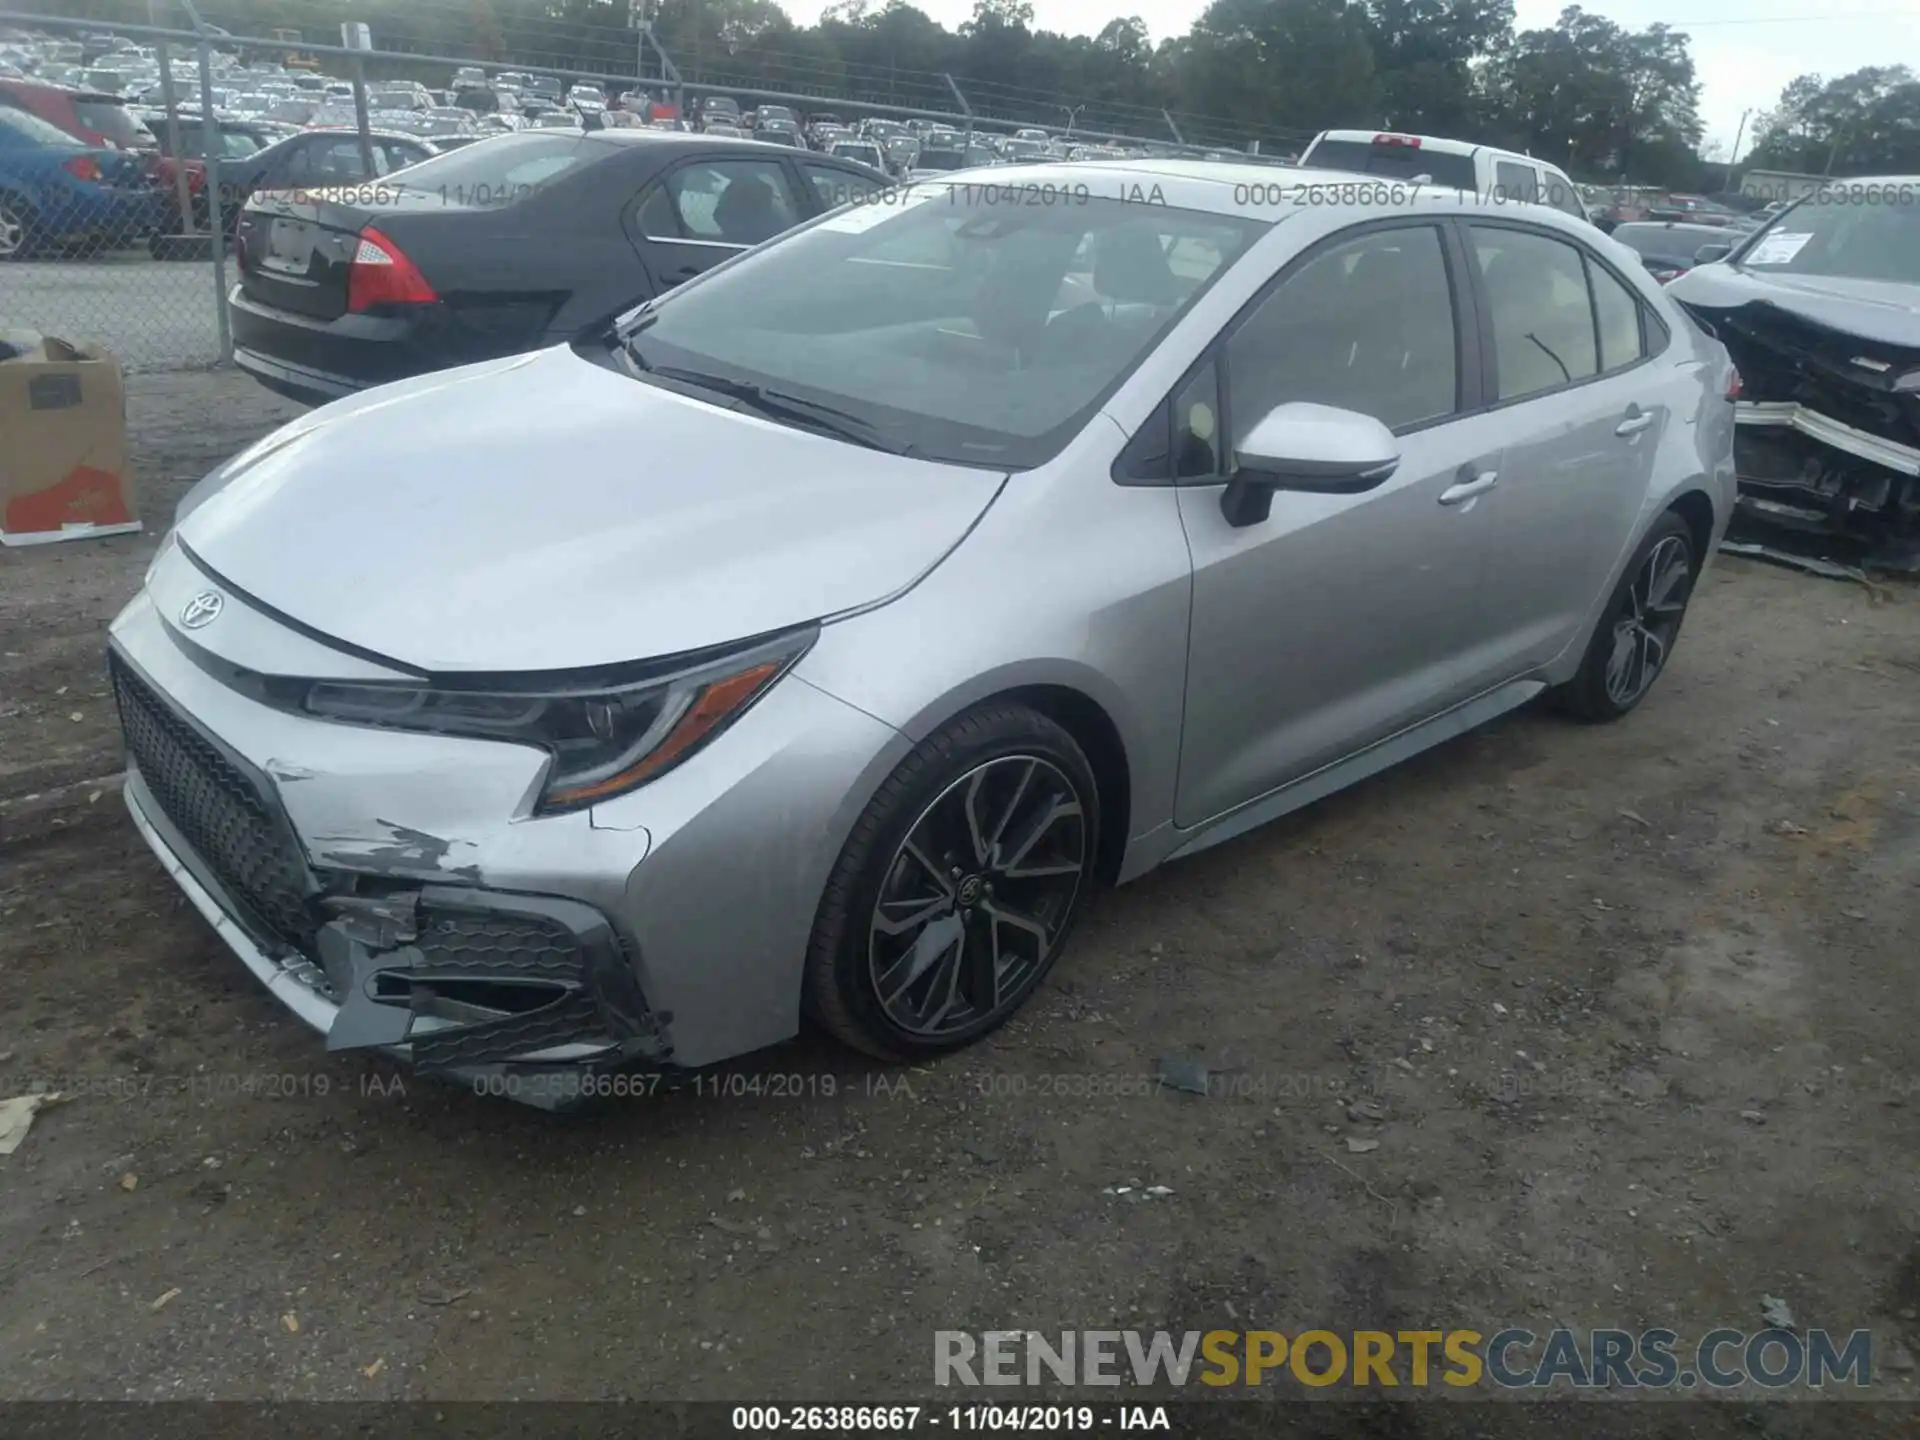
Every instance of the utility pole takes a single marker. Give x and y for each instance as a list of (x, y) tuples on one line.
[(1733, 158), (1073, 114)]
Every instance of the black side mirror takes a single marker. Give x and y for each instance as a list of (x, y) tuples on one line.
[(1312, 449)]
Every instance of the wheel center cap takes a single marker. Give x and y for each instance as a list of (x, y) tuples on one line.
[(969, 891)]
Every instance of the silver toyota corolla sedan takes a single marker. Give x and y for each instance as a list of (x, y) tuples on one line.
[(814, 641)]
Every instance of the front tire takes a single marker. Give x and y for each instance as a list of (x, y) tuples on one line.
[(957, 889), (1639, 628)]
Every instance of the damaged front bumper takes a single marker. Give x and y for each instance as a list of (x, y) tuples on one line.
[(1827, 447), (1805, 472), (459, 981)]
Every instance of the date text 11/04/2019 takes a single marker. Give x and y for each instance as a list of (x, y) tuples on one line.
[(902, 1419)]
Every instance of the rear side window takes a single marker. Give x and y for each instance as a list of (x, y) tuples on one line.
[(504, 169), (1400, 162), (1544, 335), (722, 202), (1618, 315)]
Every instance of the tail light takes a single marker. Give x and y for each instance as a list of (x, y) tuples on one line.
[(1736, 387), (381, 274), (1410, 142), (82, 167)]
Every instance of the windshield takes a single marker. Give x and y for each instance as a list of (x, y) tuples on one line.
[(864, 154), (1657, 242), (977, 336), (941, 160), (1401, 162), (1863, 231)]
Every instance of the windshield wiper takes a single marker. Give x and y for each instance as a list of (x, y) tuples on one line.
[(778, 405)]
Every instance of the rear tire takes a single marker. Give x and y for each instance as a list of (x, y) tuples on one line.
[(1639, 628), (958, 887)]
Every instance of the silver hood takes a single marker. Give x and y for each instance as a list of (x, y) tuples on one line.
[(544, 513), (1867, 309)]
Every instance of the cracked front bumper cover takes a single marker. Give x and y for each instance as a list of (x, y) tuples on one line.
[(454, 979)]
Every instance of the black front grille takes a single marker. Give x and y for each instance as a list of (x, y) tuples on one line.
[(220, 812)]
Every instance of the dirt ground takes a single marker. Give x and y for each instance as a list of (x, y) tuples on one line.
[(1635, 1006)]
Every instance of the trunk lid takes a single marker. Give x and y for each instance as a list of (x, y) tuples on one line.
[(296, 246), (546, 513)]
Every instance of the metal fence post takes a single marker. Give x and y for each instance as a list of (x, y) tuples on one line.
[(965, 109), (360, 121), (210, 143), (182, 191)]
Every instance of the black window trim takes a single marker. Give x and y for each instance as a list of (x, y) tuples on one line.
[(1649, 352), (1472, 348)]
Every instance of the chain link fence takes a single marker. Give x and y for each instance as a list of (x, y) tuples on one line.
[(130, 147), (105, 199)]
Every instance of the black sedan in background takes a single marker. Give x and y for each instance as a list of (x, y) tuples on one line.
[(313, 159), (518, 242), (1669, 249)]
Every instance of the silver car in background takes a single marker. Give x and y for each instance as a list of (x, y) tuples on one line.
[(811, 644)]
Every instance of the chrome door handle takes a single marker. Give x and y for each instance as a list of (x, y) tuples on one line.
[(1463, 490), (1634, 423)]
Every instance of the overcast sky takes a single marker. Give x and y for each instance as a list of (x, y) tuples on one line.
[(1744, 50)]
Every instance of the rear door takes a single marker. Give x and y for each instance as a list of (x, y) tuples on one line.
[(703, 211), (1582, 406)]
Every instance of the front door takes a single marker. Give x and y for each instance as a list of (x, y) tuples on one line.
[(1339, 620)]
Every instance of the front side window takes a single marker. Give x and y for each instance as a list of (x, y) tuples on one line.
[(1365, 325), (1543, 330), (1196, 427), (725, 202), (977, 335)]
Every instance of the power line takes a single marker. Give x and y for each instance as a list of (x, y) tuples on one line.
[(1789, 19)]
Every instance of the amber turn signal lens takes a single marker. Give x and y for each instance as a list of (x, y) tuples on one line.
[(714, 705)]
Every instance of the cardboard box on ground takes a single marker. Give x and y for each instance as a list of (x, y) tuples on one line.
[(63, 442)]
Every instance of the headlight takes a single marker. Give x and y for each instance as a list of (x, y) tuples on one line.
[(605, 739)]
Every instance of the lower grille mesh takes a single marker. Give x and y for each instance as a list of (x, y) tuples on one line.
[(218, 812)]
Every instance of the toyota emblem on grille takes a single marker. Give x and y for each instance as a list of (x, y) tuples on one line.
[(201, 609)]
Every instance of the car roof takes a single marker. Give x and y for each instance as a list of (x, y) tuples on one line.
[(1229, 187), (1678, 227), (1439, 144), (72, 92)]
